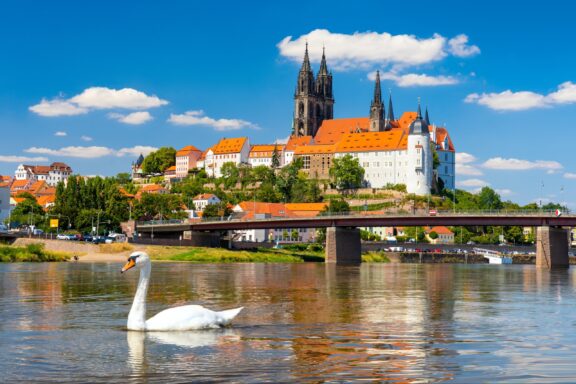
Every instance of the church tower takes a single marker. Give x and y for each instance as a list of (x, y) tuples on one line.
[(313, 99), (419, 172), (377, 108)]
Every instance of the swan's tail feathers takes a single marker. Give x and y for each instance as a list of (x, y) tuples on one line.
[(227, 316)]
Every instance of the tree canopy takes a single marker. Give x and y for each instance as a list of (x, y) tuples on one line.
[(159, 161), (347, 173)]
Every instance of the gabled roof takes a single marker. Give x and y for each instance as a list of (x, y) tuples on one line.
[(441, 135), (233, 145), (272, 209), (332, 130), (392, 140), (315, 149), (152, 188), (297, 141), (203, 196), (45, 200), (441, 230), (187, 150), (19, 184), (265, 150)]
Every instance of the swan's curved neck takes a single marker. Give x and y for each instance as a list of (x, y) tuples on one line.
[(137, 315)]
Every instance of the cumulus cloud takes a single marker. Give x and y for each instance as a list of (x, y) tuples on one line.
[(85, 138), (569, 175), (458, 47), (21, 159), (198, 118), (91, 152), (472, 183), (504, 192), (522, 100), (365, 49), (97, 98), (73, 151), (136, 151), (499, 163), (60, 133), (57, 107), (464, 166), (134, 118), (415, 80)]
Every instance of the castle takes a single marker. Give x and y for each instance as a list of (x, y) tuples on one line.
[(391, 151)]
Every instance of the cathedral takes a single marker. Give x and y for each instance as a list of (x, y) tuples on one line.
[(407, 150)]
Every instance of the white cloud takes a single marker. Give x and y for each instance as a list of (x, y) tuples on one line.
[(92, 152), (508, 100), (107, 98), (365, 49), (464, 158), (73, 151), (472, 183), (97, 98), (464, 166), (136, 151), (60, 133), (518, 101), (504, 192), (457, 46), (569, 175), (57, 107), (415, 80), (85, 138), (134, 118), (198, 118), (21, 159), (499, 163)]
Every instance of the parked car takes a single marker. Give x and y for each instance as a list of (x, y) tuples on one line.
[(115, 238), (87, 237), (37, 231), (98, 240), (62, 236)]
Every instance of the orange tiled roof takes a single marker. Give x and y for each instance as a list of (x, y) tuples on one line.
[(18, 200), (314, 149), (406, 119), (297, 141), (233, 145), (331, 131), (4, 185), (265, 150), (125, 193), (18, 184), (441, 230), (273, 209), (45, 200), (203, 196), (187, 150), (152, 188), (441, 134), (392, 140), (171, 168), (305, 209)]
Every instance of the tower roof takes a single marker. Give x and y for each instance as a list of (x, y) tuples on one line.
[(323, 71), (377, 90), (427, 118), (390, 116), (419, 126), (306, 62)]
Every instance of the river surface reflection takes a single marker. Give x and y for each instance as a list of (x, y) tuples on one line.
[(65, 322)]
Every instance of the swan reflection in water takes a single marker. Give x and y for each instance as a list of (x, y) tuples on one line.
[(137, 342)]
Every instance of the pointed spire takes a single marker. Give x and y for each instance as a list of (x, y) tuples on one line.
[(390, 117), (306, 62), (426, 117), (377, 90), (419, 117), (323, 67)]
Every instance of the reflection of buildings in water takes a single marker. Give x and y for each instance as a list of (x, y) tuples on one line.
[(225, 340), (40, 291)]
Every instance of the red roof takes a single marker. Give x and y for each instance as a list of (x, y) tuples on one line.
[(297, 141), (331, 131)]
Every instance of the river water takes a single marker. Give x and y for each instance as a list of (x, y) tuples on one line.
[(65, 322)]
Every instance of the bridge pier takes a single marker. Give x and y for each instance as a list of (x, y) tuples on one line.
[(552, 247), (343, 246)]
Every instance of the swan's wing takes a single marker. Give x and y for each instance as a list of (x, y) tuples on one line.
[(186, 318)]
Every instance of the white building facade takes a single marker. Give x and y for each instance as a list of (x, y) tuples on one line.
[(52, 174), (236, 150)]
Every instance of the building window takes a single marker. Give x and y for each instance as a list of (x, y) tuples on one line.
[(306, 162)]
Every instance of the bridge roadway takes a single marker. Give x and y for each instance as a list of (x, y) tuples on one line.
[(343, 244), (366, 220)]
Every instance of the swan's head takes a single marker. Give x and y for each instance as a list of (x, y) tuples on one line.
[(136, 259)]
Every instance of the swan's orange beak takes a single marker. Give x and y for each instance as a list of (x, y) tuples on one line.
[(130, 264)]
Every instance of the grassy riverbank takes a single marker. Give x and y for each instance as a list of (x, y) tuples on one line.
[(31, 252)]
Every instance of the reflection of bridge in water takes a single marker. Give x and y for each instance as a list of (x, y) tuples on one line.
[(343, 244)]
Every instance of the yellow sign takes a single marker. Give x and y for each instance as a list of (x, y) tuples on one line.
[(53, 223)]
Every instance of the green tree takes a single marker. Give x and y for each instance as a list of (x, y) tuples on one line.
[(159, 161), (263, 174), (514, 234), (123, 178), (230, 174), (28, 211), (158, 206), (346, 173), (275, 158), (217, 210), (416, 233), (286, 179), (489, 199), (433, 235), (336, 206)]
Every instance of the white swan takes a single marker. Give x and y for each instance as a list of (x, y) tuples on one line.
[(182, 318)]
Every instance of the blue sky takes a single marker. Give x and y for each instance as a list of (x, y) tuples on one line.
[(92, 83)]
